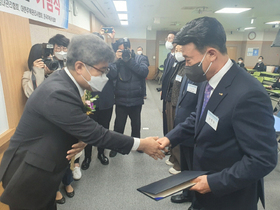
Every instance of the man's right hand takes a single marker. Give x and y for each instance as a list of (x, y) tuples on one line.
[(164, 142), (151, 147)]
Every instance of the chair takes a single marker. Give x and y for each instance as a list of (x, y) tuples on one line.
[(260, 79), (256, 73)]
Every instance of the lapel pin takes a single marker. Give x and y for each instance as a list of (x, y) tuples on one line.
[(221, 94)]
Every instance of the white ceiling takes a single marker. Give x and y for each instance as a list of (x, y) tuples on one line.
[(142, 13)]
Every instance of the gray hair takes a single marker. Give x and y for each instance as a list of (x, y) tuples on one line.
[(89, 49)]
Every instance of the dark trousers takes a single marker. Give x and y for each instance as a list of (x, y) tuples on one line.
[(164, 118), (186, 158), (50, 206), (102, 117), (68, 177), (134, 113)]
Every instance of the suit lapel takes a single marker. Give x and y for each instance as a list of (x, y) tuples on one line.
[(182, 93), (217, 96)]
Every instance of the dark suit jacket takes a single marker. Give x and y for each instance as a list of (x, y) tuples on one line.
[(187, 102), (241, 151), (260, 66), (53, 120), (167, 73)]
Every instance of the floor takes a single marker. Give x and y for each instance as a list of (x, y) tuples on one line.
[(114, 186)]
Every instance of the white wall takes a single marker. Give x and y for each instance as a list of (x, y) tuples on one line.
[(3, 119), (131, 33), (82, 19)]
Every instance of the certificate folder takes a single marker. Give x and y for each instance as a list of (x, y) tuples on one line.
[(170, 185)]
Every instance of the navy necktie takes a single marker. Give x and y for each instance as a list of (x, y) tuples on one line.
[(207, 94)]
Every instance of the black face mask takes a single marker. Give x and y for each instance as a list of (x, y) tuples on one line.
[(195, 72)]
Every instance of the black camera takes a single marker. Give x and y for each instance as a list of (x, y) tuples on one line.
[(126, 53), (47, 50)]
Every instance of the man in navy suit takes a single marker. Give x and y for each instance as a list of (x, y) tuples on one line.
[(232, 130)]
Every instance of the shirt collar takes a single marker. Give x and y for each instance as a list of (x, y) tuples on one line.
[(214, 81), (81, 90)]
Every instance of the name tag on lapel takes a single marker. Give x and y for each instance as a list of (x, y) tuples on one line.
[(178, 78), (174, 64), (192, 88), (212, 120)]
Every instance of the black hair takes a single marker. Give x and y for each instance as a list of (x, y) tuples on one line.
[(59, 40), (98, 34), (240, 58), (260, 57), (140, 47), (35, 53), (203, 32), (124, 41), (172, 32)]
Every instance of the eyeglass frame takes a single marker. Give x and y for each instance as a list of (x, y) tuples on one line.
[(103, 72)]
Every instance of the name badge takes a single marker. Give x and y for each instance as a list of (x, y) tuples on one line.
[(192, 88), (212, 120), (178, 78), (174, 64)]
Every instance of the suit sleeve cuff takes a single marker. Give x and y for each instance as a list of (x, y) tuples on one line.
[(135, 144)]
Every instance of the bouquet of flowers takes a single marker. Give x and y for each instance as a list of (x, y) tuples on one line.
[(89, 105)]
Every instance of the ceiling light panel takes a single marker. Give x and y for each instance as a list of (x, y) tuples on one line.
[(122, 16), (273, 22), (124, 23), (232, 10), (120, 6), (249, 28)]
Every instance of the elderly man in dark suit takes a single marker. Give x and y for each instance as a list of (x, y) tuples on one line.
[(232, 130), (54, 120)]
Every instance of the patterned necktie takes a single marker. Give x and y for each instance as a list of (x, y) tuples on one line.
[(207, 93)]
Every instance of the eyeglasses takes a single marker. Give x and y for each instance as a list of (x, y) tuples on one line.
[(60, 48), (104, 70)]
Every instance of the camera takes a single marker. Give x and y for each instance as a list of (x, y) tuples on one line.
[(126, 53), (47, 49)]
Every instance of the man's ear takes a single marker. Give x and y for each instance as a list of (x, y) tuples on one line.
[(213, 54), (79, 67)]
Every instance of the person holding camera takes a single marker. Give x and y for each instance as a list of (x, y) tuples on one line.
[(40, 64), (129, 91), (60, 44)]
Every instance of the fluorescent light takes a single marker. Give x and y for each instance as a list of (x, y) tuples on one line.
[(273, 22), (120, 6), (252, 20), (249, 28), (124, 22), (232, 10), (122, 16)]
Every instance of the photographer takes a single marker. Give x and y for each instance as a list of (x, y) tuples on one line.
[(40, 64), (60, 44), (129, 91)]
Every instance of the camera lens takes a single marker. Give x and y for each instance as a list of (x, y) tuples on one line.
[(51, 64)]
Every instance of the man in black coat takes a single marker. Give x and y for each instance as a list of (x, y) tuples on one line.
[(129, 90), (53, 120), (230, 140), (260, 65)]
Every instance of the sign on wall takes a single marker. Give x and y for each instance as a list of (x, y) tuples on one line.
[(53, 12), (3, 119), (253, 52)]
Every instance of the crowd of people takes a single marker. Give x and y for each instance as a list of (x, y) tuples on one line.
[(209, 120)]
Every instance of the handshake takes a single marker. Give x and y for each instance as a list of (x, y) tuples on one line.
[(154, 146)]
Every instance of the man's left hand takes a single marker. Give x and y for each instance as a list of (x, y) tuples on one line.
[(201, 185), (76, 148)]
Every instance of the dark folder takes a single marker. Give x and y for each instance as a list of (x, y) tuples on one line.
[(170, 185)]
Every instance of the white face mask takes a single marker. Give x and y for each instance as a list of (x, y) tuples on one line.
[(168, 45), (60, 55), (139, 52), (260, 60), (96, 83), (179, 56), (239, 62)]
